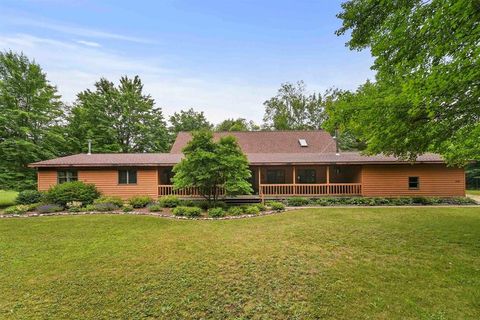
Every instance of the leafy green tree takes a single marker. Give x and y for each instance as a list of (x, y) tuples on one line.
[(294, 109), (30, 120), (117, 119), (211, 166), (427, 94), (189, 120), (239, 124)]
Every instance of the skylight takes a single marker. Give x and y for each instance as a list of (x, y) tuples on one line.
[(303, 142)]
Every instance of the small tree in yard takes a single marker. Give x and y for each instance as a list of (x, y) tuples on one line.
[(211, 166)]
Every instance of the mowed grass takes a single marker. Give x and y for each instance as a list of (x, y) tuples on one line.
[(7, 198), (332, 263), (474, 192)]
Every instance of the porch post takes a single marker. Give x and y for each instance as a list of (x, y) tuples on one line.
[(260, 191), (328, 179), (294, 180)]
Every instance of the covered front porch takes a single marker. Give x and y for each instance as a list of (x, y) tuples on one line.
[(275, 181), (286, 180)]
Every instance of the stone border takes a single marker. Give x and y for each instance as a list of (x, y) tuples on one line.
[(243, 216), (138, 213)]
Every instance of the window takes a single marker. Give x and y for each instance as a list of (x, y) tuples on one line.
[(167, 175), (127, 176), (307, 176), (276, 176), (66, 176), (413, 183)]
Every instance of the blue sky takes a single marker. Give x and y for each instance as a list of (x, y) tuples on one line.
[(221, 57)]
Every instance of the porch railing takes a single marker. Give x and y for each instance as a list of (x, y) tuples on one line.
[(167, 189), (338, 189), (334, 189)]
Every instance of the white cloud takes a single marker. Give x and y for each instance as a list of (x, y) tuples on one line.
[(71, 30), (89, 43), (74, 67)]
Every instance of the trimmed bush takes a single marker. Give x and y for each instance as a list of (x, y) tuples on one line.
[(187, 211), (29, 197), (216, 212), (127, 208), (169, 201), (75, 209), (261, 206), (18, 209), (49, 208), (66, 192), (102, 207), (110, 199), (298, 201), (251, 210), (235, 211), (277, 206), (155, 207), (140, 201)]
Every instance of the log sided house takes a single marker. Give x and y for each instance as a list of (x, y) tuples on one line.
[(283, 164)]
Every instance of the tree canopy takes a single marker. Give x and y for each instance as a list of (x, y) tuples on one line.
[(295, 109), (427, 91), (30, 120), (189, 120), (239, 124), (211, 166), (117, 119)]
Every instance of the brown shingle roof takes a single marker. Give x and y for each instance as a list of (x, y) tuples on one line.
[(169, 159), (270, 141), (111, 159)]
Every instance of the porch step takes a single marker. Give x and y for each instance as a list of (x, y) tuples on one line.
[(242, 200)]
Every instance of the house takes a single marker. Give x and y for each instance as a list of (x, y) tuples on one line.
[(283, 163)]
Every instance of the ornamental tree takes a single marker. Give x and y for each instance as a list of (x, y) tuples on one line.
[(212, 166)]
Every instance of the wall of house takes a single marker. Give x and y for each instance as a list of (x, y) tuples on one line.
[(392, 180), (106, 180)]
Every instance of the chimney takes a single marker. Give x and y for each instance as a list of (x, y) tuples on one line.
[(337, 152), (89, 146)]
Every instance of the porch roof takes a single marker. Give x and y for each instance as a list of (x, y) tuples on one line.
[(169, 159)]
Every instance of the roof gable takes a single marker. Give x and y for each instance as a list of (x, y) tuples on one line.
[(317, 141)]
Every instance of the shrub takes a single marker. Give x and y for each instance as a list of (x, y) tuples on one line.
[(169, 201), (110, 199), (29, 197), (66, 192), (216, 212), (187, 211), (252, 210), (459, 201), (74, 209), (103, 207), (140, 201), (277, 206), (155, 207), (298, 201), (187, 203), (49, 208), (127, 208), (18, 209), (261, 206), (235, 211)]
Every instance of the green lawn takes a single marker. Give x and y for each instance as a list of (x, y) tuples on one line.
[(475, 192), (7, 198), (332, 263)]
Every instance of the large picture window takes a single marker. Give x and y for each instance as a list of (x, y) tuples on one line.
[(307, 176), (127, 176), (275, 176), (413, 182), (66, 176)]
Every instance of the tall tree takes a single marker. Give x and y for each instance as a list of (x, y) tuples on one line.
[(189, 120), (117, 119), (295, 109), (211, 166), (427, 91), (30, 120), (239, 124)]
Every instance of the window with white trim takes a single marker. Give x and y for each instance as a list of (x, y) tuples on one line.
[(127, 176)]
